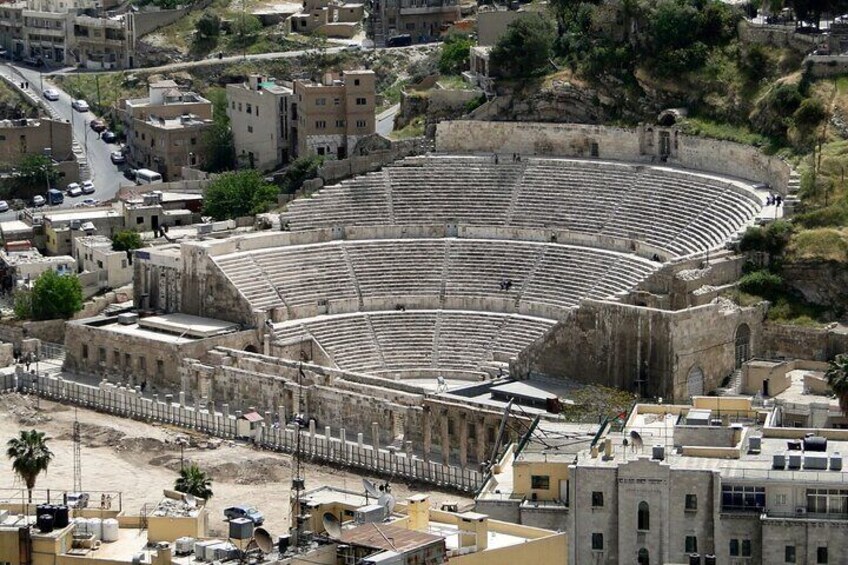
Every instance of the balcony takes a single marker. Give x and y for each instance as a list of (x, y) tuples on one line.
[(801, 513)]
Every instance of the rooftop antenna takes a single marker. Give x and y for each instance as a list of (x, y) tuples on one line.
[(77, 453)]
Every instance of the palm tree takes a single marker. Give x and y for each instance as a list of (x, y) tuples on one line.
[(837, 378), (30, 457), (195, 482)]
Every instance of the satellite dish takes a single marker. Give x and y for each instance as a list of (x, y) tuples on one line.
[(387, 501), (190, 500), (263, 540), (371, 489), (332, 525)]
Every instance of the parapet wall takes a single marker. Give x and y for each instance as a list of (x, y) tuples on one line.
[(644, 143)]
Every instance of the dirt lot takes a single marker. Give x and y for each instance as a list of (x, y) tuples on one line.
[(141, 459)]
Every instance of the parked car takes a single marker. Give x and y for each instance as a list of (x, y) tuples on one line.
[(51, 94), (33, 62), (244, 511), (80, 106), (38, 200), (98, 125), (87, 187), (76, 499), (119, 158), (4, 206), (109, 136), (74, 190), (130, 174), (87, 203)]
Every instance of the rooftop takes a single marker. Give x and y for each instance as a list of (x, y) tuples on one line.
[(184, 121), (32, 255), (15, 226), (175, 329), (388, 537), (59, 216)]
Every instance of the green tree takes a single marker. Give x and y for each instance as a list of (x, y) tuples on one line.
[(126, 240), (209, 25), (33, 175), (454, 55), (807, 118), (219, 147), (195, 482), (524, 50), (300, 170), (23, 304), (30, 457), (55, 296), (238, 193), (244, 30), (837, 378), (762, 283)]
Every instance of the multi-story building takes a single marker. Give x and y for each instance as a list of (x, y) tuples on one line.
[(422, 20), (42, 136), (328, 17), (101, 42), (165, 129), (12, 27), (331, 116), (726, 480), (259, 115), (45, 35)]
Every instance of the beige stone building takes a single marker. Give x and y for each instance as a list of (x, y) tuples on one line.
[(42, 136), (101, 42), (423, 20), (165, 129), (328, 17), (259, 117), (330, 116), (94, 254)]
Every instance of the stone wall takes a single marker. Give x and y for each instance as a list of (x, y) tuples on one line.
[(777, 36), (796, 342), (624, 144), (645, 350)]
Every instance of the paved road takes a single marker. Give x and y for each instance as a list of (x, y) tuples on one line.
[(386, 120), (106, 176)]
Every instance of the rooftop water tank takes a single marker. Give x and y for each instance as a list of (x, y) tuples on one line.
[(835, 461), (794, 460), (110, 530), (95, 527), (815, 443), (694, 559), (658, 452), (755, 444), (44, 523), (815, 461), (778, 461), (61, 516)]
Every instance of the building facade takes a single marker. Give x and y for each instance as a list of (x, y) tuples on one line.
[(330, 117), (259, 117), (422, 20)]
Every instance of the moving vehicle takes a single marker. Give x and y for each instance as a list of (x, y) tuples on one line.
[(146, 176), (74, 190), (51, 94), (117, 158), (244, 511), (4, 206), (87, 187), (98, 125), (109, 136), (54, 196), (80, 106), (39, 200), (403, 40)]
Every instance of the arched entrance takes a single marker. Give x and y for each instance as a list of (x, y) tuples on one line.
[(643, 558), (743, 344), (695, 381), (251, 349)]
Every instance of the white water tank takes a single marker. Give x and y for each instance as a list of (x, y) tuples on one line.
[(80, 526), (95, 528), (110, 530)]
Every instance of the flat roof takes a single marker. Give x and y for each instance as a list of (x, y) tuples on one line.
[(185, 324), (84, 215), (15, 226), (331, 495), (388, 537)]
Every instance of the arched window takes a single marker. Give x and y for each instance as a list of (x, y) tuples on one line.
[(644, 516), (643, 558)]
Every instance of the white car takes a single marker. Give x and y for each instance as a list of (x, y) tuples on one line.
[(38, 200), (51, 94), (80, 105), (87, 187), (4, 206), (87, 203), (74, 190)]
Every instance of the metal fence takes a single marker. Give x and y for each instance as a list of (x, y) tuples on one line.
[(324, 447)]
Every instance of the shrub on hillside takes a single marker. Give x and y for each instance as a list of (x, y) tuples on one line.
[(762, 283), (524, 50)]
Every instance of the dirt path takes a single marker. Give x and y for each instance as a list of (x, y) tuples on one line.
[(141, 459)]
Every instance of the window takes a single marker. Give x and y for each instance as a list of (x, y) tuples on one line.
[(239, 106), (597, 541), (789, 554), (340, 123), (827, 501), (127, 361), (142, 365), (194, 141), (85, 351), (643, 517), (821, 555), (746, 548), (116, 358), (248, 108), (361, 101), (691, 544), (101, 355), (735, 497), (542, 482), (360, 123), (249, 129), (160, 367), (256, 111), (337, 101), (472, 430), (356, 82), (320, 124), (597, 499), (123, 263), (234, 104), (780, 499), (139, 220), (691, 502), (410, 26), (734, 548), (320, 101)]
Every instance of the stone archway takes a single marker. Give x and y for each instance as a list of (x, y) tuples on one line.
[(251, 349), (742, 343), (695, 382), (644, 557)]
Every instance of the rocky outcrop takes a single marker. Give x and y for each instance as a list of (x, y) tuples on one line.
[(819, 282)]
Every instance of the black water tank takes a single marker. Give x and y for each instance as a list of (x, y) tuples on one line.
[(694, 559), (44, 523), (709, 559), (283, 543), (42, 509), (61, 517), (815, 443)]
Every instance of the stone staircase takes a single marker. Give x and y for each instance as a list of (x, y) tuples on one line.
[(734, 385)]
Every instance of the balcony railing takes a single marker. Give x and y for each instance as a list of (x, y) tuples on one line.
[(804, 515)]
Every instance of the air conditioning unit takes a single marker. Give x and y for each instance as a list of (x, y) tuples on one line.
[(800, 510), (203, 229)]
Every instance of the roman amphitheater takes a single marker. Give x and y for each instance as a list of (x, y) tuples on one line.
[(516, 260)]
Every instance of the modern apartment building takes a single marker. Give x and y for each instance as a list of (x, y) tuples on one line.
[(42, 136), (422, 20), (259, 115), (165, 129), (329, 117), (331, 18), (727, 480)]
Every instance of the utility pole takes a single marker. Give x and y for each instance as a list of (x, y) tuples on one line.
[(77, 454)]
